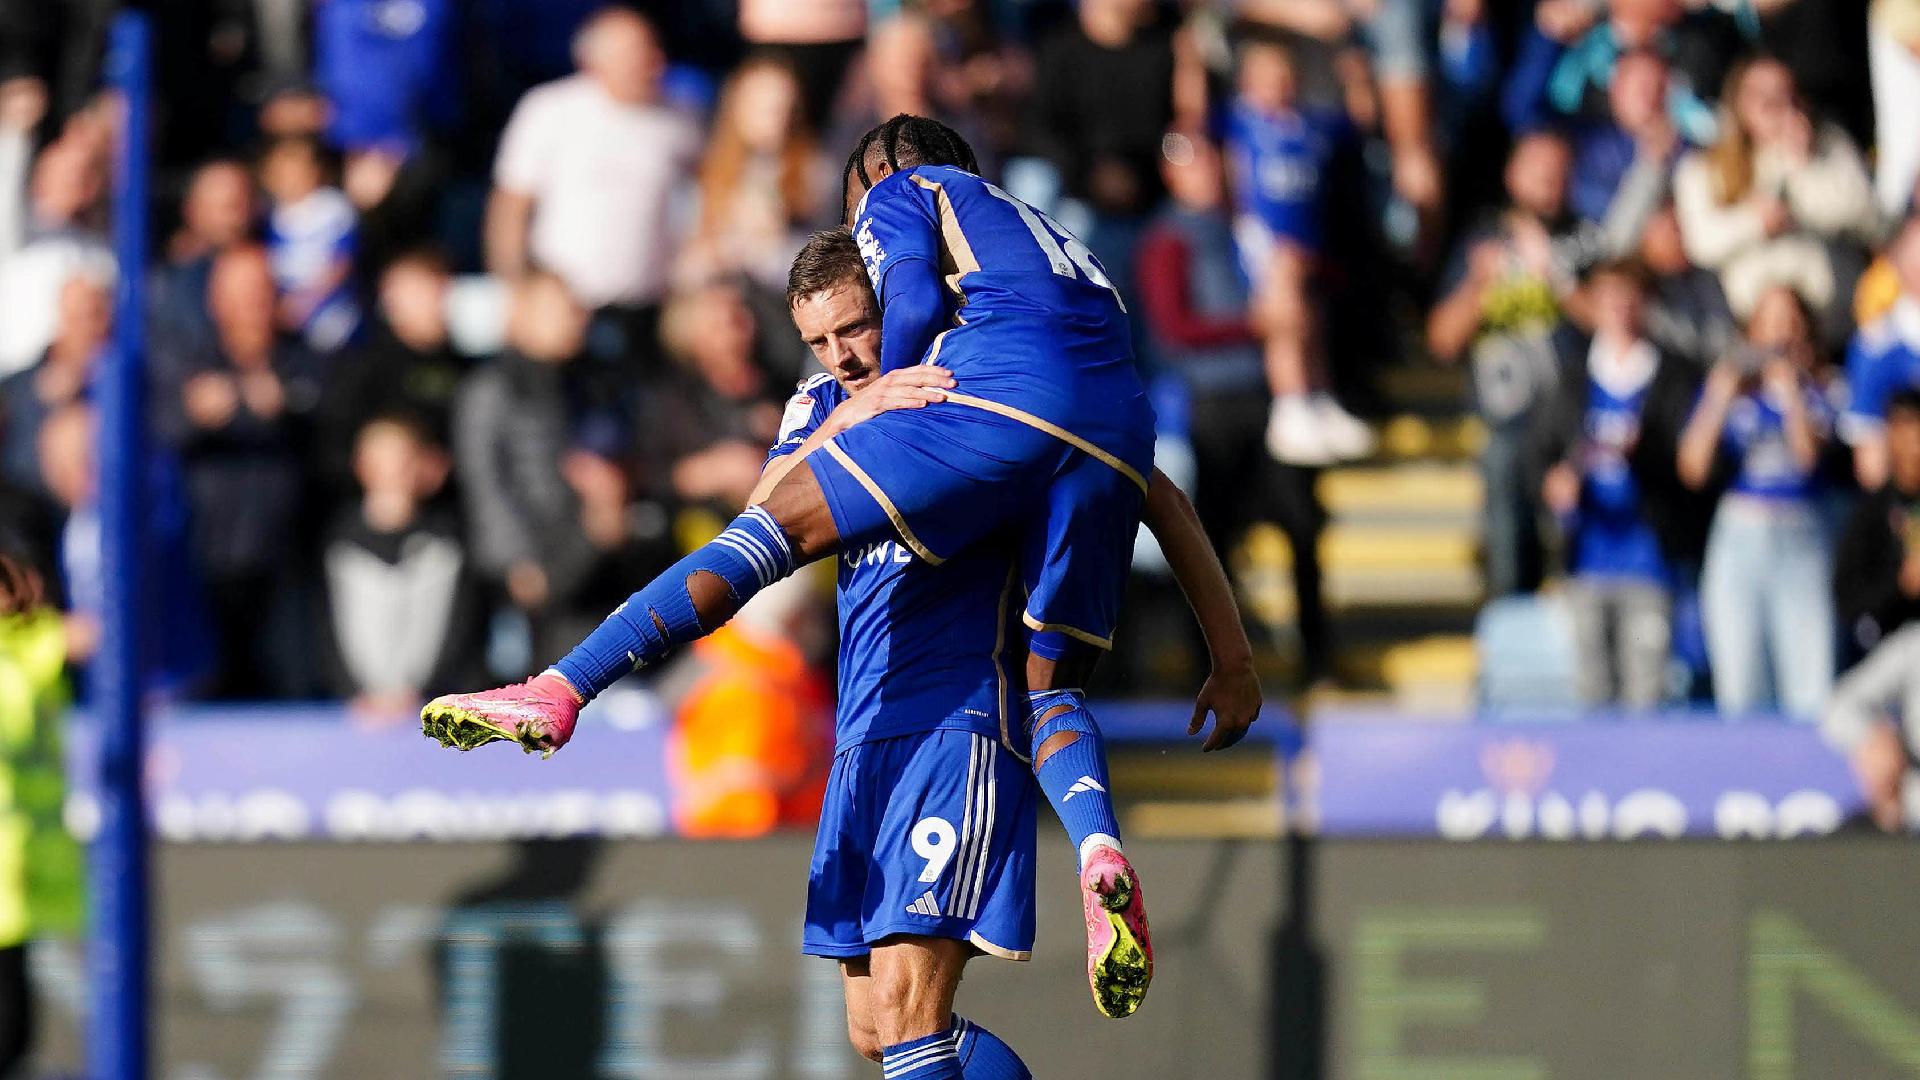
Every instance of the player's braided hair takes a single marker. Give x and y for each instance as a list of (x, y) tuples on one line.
[(904, 141)]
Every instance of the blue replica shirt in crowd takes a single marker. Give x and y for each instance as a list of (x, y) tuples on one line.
[(386, 66), (1278, 162), (1018, 309), (922, 648), (1612, 537), (1756, 436), (1882, 360)]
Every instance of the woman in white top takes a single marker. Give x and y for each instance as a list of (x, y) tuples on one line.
[(1763, 205)]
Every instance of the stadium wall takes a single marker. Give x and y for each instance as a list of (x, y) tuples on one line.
[(1381, 960)]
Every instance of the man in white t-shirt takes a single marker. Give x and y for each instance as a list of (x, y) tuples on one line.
[(588, 169)]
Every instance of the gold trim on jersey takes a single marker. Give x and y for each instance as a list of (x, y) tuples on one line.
[(1074, 632), (1054, 430), (886, 504), (956, 254)]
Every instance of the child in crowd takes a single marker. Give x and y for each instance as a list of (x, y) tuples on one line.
[(1610, 444), (396, 574), (311, 232), (1279, 152)]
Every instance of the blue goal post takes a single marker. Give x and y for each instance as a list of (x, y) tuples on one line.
[(117, 1032)]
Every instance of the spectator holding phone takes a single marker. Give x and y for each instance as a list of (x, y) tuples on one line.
[(1765, 585)]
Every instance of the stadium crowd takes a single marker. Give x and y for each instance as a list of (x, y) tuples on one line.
[(467, 316)]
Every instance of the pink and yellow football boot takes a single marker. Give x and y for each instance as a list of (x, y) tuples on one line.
[(539, 714), (1119, 949)]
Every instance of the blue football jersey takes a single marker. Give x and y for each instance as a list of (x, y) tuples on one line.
[(922, 648), (1279, 165), (1031, 322)]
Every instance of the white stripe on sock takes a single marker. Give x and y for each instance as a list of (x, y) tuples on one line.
[(777, 534), (731, 542), (916, 1058)]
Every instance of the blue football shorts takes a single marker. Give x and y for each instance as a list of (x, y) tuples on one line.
[(949, 475), (929, 834)]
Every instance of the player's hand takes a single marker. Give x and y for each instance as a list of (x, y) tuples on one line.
[(908, 388), (1233, 696)]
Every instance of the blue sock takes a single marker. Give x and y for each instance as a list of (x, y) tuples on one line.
[(751, 554), (1075, 778), (983, 1056), (929, 1057)]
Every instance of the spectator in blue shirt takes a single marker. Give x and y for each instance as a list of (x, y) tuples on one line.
[(311, 232), (1608, 444), (1278, 152), (1883, 359), (1766, 586)]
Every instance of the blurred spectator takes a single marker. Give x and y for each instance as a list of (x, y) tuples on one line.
[(543, 510), (311, 234), (1775, 195), (901, 72), (1883, 359), (401, 610), (1501, 300), (1567, 64), (752, 730), (711, 418), (1399, 41), (764, 183), (818, 40), (1766, 585), (1104, 97), (1280, 153), (588, 169), (1607, 445), (217, 212), (179, 647), (1893, 43), (1876, 583), (64, 375), (237, 413), (1687, 311), (1635, 140), (48, 207), (406, 367), (1195, 304), (1874, 719)]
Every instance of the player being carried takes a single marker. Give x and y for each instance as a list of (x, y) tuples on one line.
[(916, 642), (1046, 439)]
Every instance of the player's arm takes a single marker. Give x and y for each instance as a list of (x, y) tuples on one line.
[(899, 236), (913, 388), (1231, 692)]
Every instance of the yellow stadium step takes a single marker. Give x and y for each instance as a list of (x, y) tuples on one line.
[(1424, 489), (1431, 674)]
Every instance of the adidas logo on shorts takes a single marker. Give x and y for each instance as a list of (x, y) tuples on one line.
[(1081, 787), (926, 905)]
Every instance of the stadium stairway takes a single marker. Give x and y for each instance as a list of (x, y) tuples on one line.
[(1400, 557)]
